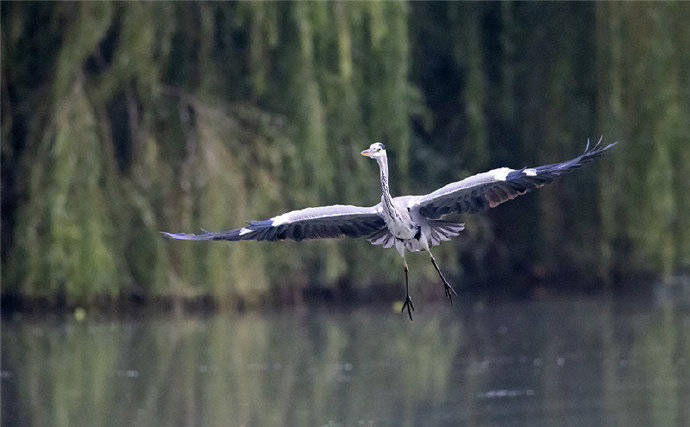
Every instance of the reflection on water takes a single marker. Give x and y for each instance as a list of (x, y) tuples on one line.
[(574, 361)]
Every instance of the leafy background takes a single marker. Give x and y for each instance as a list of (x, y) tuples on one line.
[(123, 119)]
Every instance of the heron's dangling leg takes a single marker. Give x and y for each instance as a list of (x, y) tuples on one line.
[(446, 286), (408, 300)]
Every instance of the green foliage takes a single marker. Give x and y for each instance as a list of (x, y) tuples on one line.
[(644, 99), (123, 119)]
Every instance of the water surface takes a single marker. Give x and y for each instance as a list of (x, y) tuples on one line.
[(572, 360)]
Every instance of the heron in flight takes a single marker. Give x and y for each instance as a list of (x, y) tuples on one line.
[(408, 223)]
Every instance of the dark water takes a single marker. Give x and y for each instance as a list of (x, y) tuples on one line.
[(569, 361)]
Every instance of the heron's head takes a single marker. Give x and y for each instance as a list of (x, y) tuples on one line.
[(375, 150)]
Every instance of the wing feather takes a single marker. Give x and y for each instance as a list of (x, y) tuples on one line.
[(310, 223), (490, 189)]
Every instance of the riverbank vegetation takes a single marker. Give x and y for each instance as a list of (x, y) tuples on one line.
[(123, 119)]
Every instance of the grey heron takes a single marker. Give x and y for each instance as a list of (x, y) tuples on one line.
[(408, 223)]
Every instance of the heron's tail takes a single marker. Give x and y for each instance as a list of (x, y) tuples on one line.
[(444, 230)]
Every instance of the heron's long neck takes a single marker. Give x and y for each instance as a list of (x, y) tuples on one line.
[(386, 198)]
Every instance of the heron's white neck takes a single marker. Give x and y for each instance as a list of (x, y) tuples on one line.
[(386, 199)]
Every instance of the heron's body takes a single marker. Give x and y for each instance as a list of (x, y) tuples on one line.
[(409, 223), (405, 228)]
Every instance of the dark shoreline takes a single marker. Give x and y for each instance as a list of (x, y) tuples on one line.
[(343, 298)]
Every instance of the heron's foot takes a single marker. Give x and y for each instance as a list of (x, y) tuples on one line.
[(410, 307), (449, 291)]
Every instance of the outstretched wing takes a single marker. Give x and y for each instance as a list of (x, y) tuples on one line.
[(310, 223), (490, 189)]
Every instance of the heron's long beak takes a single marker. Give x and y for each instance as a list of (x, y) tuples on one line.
[(365, 153)]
